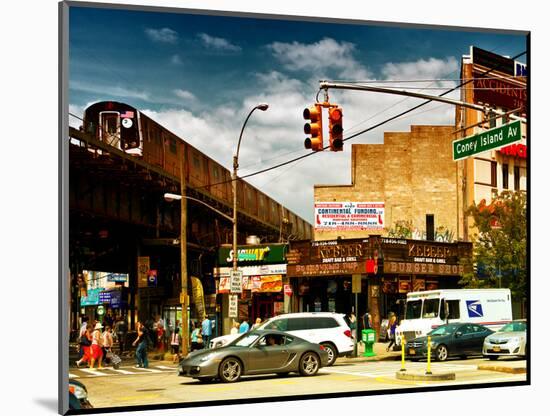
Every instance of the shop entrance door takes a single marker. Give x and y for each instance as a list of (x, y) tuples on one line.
[(263, 308)]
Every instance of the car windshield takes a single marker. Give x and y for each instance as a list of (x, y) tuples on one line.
[(246, 341), (514, 327), (412, 309), (442, 330)]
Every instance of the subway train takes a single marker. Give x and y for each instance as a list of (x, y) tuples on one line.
[(128, 129)]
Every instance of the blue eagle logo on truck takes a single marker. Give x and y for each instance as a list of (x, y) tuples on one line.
[(475, 310)]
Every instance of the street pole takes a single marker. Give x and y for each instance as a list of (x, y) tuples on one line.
[(183, 252), (262, 107)]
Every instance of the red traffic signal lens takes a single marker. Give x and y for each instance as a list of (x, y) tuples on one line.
[(336, 114)]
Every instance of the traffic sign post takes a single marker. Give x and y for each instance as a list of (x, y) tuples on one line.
[(236, 281), (488, 140)]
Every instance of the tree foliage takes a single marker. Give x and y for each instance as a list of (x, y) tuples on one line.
[(500, 247)]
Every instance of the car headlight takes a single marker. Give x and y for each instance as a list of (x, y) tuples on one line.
[(206, 357), (79, 392)]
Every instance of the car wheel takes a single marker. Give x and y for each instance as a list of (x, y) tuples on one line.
[(441, 353), (230, 370), (309, 364), (332, 353)]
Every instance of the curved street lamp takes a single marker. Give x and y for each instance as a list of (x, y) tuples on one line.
[(262, 107)]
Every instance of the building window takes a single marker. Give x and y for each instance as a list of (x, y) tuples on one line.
[(516, 178), (494, 174), (430, 231), (505, 176)]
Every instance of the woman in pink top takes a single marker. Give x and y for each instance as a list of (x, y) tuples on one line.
[(96, 352)]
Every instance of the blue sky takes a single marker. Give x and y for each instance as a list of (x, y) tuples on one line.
[(200, 76)]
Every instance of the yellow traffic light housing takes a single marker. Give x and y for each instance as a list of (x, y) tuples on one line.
[(314, 127)]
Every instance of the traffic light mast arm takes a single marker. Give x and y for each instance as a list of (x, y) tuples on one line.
[(343, 86)]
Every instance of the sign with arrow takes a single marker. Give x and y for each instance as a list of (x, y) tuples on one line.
[(488, 140)]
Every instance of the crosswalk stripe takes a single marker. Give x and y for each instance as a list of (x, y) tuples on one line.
[(72, 375), (163, 367), (148, 370), (96, 373), (122, 371)]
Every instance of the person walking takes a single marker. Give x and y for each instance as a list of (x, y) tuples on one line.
[(96, 347), (83, 339), (391, 331), (142, 342), (107, 344), (86, 347), (235, 329), (244, 327), (160, 337), (353, 325), (257, 323), (196, 338), (175, 340), (206, 330)]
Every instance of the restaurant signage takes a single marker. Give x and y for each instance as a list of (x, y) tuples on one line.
[(265, 254), (420, 268), (325, 258)]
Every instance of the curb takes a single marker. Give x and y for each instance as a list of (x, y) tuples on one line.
[(502, 369), (402, 375)]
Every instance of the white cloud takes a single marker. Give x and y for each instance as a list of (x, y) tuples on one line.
[(221, 44), (164, 35), (108, 90), (326, 54), (185, 95)]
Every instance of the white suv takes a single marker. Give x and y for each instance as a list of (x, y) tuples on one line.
[(326, 328)]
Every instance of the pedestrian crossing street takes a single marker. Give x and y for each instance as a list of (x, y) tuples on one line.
[(389, 368), (123, 371)]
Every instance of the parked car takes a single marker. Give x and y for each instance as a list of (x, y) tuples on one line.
[(256, 352), (456, 339), (511, 339), (222, 340), (328, 329), (78, 396)]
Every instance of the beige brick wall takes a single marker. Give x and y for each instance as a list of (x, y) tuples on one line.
[(412, 173)]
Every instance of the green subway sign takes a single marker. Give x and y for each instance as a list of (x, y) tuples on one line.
[(262, 254), (488, 140)]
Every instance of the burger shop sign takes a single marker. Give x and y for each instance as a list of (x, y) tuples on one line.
[(319, 258)]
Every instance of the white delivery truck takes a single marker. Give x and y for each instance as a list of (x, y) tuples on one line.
[(427, 310)]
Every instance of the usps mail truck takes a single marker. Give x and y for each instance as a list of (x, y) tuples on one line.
[(427, 310)]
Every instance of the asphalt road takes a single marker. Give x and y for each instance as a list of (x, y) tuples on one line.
[(160, 384)]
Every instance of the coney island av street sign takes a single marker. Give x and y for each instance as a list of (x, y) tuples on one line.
[(488, 140)]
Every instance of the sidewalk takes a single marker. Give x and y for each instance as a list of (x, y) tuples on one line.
[(379, 349)]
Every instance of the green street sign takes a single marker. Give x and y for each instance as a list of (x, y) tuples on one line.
[(488, 140)]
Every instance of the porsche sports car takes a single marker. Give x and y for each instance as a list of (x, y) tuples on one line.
[(256, 352)]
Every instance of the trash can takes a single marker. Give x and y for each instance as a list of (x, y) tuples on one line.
[(368, 336)]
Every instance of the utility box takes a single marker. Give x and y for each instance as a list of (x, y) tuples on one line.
[(368, 336)]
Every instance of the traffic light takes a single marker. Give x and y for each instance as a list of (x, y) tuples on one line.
[(335, 129), (314, 127)]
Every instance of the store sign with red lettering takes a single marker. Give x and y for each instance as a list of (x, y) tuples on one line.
[(350, 216), (516, 150)]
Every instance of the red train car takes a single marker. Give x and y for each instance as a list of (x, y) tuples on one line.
[(128, 129)]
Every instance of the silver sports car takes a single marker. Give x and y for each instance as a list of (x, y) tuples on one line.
[(256, 352)]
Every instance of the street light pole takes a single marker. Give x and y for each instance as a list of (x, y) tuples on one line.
[(262, 107)]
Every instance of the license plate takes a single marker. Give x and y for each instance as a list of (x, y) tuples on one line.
[(412, 351), (496, 349)]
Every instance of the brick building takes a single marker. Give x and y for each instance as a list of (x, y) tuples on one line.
[(412, 174)]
